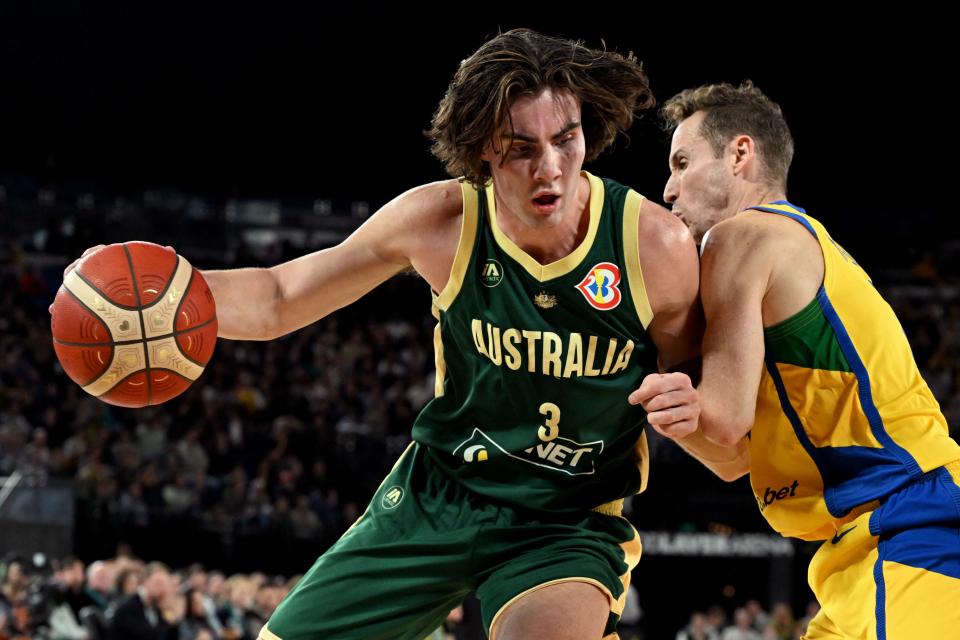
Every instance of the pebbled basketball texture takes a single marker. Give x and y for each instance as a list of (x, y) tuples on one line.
[(134, 324)]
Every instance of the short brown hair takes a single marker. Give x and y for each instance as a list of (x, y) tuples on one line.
[(731, 111), (611, 88)]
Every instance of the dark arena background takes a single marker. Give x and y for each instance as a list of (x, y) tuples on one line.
[(245, 134)]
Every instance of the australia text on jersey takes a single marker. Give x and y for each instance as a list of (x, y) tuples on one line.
[(545, 352)]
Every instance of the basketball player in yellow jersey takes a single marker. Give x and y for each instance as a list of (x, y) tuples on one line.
[(809, 382)]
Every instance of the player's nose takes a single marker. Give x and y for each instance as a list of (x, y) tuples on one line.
[(548, 165), (671, 191)]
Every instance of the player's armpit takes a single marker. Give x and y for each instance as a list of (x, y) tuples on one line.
[(735, 271)]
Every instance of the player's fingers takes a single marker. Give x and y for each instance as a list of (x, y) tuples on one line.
[(675, 398), (73, 265), (652, 385), (666, 417), (677, 429), (70, 267)]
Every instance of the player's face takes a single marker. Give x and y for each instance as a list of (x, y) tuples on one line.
[(536, 163), (700, 184)]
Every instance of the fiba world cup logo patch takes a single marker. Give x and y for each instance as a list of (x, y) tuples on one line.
[(599, 287)]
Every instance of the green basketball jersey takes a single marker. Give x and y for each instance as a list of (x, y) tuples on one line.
[(535, 362)]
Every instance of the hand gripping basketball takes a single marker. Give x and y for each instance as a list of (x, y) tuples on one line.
[(133, 324)]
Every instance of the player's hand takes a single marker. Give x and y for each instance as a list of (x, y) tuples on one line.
[(73, 265), (671, 402)]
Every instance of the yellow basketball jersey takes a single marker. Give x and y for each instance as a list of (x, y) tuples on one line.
[(843, 418)]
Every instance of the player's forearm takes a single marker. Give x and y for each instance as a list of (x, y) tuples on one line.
[(729, 463), (247, 301)]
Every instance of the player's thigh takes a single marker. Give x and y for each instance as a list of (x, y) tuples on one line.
[(572, 573), (903, 584), (373, 585), (395, 574), (563, 611), (920, 583)]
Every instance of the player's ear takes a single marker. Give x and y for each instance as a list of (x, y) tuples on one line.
[(743, 153), (488, 152)]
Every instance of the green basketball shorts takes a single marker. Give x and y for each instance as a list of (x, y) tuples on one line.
[(424, 542)]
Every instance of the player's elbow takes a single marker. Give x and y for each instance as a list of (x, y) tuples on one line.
[(734, 471), (726, 431)]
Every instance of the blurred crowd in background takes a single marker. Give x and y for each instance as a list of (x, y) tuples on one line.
[(265, 461)]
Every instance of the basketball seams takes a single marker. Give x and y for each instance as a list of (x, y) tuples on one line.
[(104, 295), (163, 309), (127, 378), (86, 382), (143, 325), (94, 315), (169, 280), (112, 315), (172, 334), (161, 354), (180, 333), (183, 298)]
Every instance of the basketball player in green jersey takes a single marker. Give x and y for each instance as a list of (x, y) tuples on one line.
[(555, 293), (810, 383)]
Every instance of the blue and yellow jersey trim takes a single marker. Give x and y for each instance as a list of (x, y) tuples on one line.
[(844, 418)]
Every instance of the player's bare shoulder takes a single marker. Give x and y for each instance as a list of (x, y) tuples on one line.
[(756, 234), (780, 254), (668, 257), (426, 224)]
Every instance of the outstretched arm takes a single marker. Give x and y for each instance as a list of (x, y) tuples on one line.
[(262, 304)]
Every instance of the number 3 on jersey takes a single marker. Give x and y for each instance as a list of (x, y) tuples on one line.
[(550, 429)]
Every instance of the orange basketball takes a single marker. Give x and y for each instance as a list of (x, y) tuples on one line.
[(134, 324)]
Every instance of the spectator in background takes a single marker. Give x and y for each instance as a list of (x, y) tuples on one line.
[(139, 617), (238, 591), (741, 629), (758, 617), (100, 584), (61, 601), (195, 624), (128, 581), (697, 629), (782, 622), (716, 618)]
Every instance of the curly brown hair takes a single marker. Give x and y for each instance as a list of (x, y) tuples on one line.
[(732, 111), (611, 89)]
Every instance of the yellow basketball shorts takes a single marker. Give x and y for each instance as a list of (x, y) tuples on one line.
[(894, 573)]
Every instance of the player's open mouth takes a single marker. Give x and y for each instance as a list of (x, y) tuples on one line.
[(547, 202)]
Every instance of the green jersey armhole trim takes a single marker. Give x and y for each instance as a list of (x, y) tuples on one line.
[(794, 323), (631, 248), (563, 266), (461, 261)]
